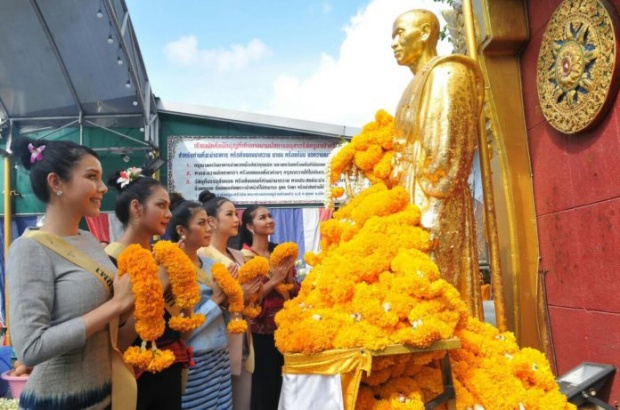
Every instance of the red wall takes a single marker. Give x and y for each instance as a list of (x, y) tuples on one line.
[(577, 192)]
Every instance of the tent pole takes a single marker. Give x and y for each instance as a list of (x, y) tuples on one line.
[(8, 235)]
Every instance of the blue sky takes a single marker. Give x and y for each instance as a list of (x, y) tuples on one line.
[(326, 61)]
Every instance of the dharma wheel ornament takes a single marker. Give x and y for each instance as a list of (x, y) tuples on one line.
[(578, 65)]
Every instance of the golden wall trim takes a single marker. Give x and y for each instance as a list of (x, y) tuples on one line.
[(502, 29)]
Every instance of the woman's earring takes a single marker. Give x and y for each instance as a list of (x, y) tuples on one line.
[(251, 231), (59, 193)]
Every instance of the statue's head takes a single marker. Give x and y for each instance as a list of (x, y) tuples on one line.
[(414, 34)]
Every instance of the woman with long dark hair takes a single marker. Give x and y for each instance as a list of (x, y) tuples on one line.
[(64, 295), (209, 379), (223, 218), (143, 207), (257, 225)]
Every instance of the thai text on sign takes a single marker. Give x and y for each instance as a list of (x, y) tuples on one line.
[(248, 170)]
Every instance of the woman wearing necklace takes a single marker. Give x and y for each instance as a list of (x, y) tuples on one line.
[(209, 380), (256, 227), (224, 221), (143, 207)]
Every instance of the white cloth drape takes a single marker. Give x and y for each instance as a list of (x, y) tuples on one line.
[(311, 392)]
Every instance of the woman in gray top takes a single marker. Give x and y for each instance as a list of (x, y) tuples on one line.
[(59, 311)]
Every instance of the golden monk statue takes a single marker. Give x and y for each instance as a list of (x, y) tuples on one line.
[(435, 139)]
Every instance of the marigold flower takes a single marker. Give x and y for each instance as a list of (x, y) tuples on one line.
[(183, 283), (282, 252), (149, 302), (337, 192), (237, 326), (182, 273), (184, 324), (251, 311), (233, 291), (254, 268), (373, 283)]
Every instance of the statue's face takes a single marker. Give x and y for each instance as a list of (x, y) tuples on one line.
[(407, 40)]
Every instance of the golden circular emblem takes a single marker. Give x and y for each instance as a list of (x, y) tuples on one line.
[(577, 65)]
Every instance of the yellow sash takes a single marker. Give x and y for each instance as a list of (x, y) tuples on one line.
[(124, 387), (203, 277)]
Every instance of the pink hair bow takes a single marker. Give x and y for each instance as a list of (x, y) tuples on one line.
[(36, 153)]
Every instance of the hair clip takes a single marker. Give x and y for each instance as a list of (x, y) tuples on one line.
[(129, 175), (36, 153)]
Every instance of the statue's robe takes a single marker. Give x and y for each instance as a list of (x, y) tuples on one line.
[(436, 133)]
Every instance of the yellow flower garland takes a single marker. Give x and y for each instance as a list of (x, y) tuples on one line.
[(373, 284), (233, 291), (142, 266), (282, 252), (148, 309), (254, 268), (183, 284), (369, 153), (285, 250), (284, 288)]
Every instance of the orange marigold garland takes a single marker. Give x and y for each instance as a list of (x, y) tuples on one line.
[(282, 252), (148, 309), (285, 250), (183, 284), (233, 291), (284, 288), (368, 156), (373, 284), (256, 267)]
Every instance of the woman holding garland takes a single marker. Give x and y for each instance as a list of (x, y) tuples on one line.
[(143, 207), (224, 221), (64, 296), (257, 225), (209, 382)]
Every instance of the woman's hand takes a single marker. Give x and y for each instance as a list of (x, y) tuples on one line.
[(122, 292), (290, 276), (280, 273), (251, 288), (233, 268), (219, 297), (20, 369)]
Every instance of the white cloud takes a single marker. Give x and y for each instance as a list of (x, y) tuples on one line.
[(185, 51), (327, 7), (364, 77)]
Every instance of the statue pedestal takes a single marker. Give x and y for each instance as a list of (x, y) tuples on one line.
[(331, 379)]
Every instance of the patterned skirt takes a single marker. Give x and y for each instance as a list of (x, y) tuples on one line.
[(208, 383)]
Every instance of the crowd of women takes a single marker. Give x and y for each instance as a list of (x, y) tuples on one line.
[(71, 313)]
